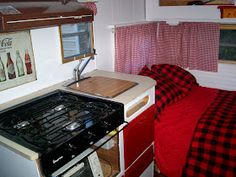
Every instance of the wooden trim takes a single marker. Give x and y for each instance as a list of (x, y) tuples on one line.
[(227, 61), (137, 106), (61, 45), (228, 27), (92, 37), (76, 57)]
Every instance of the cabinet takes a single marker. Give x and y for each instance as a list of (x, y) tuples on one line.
[(23, 16), (138, 140)]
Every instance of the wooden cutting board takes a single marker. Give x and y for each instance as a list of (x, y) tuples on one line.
[(103, 86)]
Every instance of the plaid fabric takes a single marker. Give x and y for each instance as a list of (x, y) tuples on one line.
[(166, 92), (184, 79), (213, 147)]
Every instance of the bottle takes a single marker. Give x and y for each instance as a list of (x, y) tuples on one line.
[(19, 64), (2, 71), (10, 67), (28, 62)]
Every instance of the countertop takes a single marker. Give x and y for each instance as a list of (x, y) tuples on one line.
[(144, 83)]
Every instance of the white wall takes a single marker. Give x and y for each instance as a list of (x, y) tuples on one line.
[(104, 36), (183, 13), (225, 78), (112, 12), (49, 68)]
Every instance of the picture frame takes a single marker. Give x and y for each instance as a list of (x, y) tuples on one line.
[(17, 64), (194, 2)]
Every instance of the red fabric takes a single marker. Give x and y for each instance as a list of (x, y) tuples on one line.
[(166, 91), (203, 47), (169, 39), (193, 45), (174, 131), (135, 46), (182, 78), (213, 147)]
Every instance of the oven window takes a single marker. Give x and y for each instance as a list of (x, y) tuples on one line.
[(76, 41)]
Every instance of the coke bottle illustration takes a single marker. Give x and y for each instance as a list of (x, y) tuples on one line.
[(19, 64), (2, 71), (28, 62), (10, 67)]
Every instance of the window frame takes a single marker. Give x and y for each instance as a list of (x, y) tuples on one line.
[(77, 57), (227, 27)]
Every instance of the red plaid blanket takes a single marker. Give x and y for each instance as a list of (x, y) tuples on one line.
[(213, 147)]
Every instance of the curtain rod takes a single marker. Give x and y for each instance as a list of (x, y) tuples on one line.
[(130, 24), (174, 22)]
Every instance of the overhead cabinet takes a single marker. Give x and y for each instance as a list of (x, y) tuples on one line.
[(28, 15)]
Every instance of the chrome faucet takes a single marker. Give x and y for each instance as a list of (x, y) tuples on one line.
[(77, 71)]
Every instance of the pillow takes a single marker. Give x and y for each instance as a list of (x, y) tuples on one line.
[(166, 91), (184, 79)]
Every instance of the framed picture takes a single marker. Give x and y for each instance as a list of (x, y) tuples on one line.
[(195, 2), (17, 65), (76, 41)]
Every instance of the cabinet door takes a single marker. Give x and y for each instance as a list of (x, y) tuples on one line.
[(138, 136), (141, 164)]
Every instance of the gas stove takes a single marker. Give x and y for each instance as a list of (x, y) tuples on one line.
[(60, 125)]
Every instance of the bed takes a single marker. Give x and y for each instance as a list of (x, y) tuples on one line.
[(195, 126)]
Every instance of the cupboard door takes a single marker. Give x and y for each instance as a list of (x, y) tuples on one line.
[(141, 164), (138, 136)]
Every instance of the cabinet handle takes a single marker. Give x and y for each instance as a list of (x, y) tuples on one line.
[(48, 18), (137, 106)]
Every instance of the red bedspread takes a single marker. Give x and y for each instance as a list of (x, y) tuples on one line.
[(213, 147), (174, 131)]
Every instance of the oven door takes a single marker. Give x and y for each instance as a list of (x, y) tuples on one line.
[(89, 167)]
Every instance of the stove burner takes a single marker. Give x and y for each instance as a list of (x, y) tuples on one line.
[(59, 108), (72, 126), (22, 124)]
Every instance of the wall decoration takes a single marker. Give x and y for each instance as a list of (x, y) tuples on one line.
[(195, 2), (17, 65)]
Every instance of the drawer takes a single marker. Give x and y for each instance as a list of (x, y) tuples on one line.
[(141, 164), (138, 136)]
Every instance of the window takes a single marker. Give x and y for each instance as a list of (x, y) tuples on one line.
[(227, 52), (76, 41)]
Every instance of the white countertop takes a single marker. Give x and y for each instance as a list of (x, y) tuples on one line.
[(144, 83)]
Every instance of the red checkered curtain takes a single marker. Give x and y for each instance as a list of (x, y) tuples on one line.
[(202, 50), (169, 45), (135, 46), (192, 45)]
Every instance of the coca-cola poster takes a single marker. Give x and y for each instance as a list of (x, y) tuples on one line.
[(17, 65)]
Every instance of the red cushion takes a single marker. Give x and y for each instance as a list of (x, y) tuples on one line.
[(166, 91), (184, 79)]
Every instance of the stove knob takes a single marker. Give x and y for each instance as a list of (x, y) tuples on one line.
[(106, 124), (70, 147), (90, 136)]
